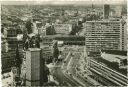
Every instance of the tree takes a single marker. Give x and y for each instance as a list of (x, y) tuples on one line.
[(18, 60), (74, 29), (25, 38), (55, 51), (50, 30), (29, 26), (38, 41)]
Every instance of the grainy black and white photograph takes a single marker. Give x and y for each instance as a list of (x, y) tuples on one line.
[(81, 43)]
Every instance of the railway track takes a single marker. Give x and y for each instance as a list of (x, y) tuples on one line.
[(108, 73)]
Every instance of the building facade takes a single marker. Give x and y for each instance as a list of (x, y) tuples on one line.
[(34, 69), (47, 52), (47, 40), (62, 28), (105, 35)]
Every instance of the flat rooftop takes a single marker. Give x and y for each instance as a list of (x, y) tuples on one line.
[(115, 52)]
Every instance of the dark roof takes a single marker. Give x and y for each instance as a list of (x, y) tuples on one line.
[(116, 52)]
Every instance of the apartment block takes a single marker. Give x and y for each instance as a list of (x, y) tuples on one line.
[(105, 34)]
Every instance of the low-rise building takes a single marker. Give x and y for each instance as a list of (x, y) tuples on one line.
[(47, 40), (47, 52), (115, 56)]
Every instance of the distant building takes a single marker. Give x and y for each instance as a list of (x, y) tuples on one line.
[(73, 20), (47, 52), (5, 32), (47, 40), (12, 43), (42, 31), (34, 28), (105, 34), (11, 32), (62, 28), (115, 12), (71, 39), (4, 43), (106, 11), (4, 46), (118, 11)]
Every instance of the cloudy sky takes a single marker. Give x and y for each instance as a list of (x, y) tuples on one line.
[(61, 2)]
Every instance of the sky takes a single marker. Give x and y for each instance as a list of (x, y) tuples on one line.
[(62, 2)]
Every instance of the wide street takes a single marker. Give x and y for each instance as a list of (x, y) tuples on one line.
[(66, 77)]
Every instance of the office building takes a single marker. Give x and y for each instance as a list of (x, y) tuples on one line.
[(106, 11), (105, 34), (34, 67)]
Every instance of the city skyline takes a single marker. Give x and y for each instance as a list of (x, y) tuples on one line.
[(63, 2)]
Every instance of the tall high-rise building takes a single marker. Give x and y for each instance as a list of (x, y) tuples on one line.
[(105, 35), (33, 67), (106, 11)]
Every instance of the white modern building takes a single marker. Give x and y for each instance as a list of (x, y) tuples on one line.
[(105, 34)]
